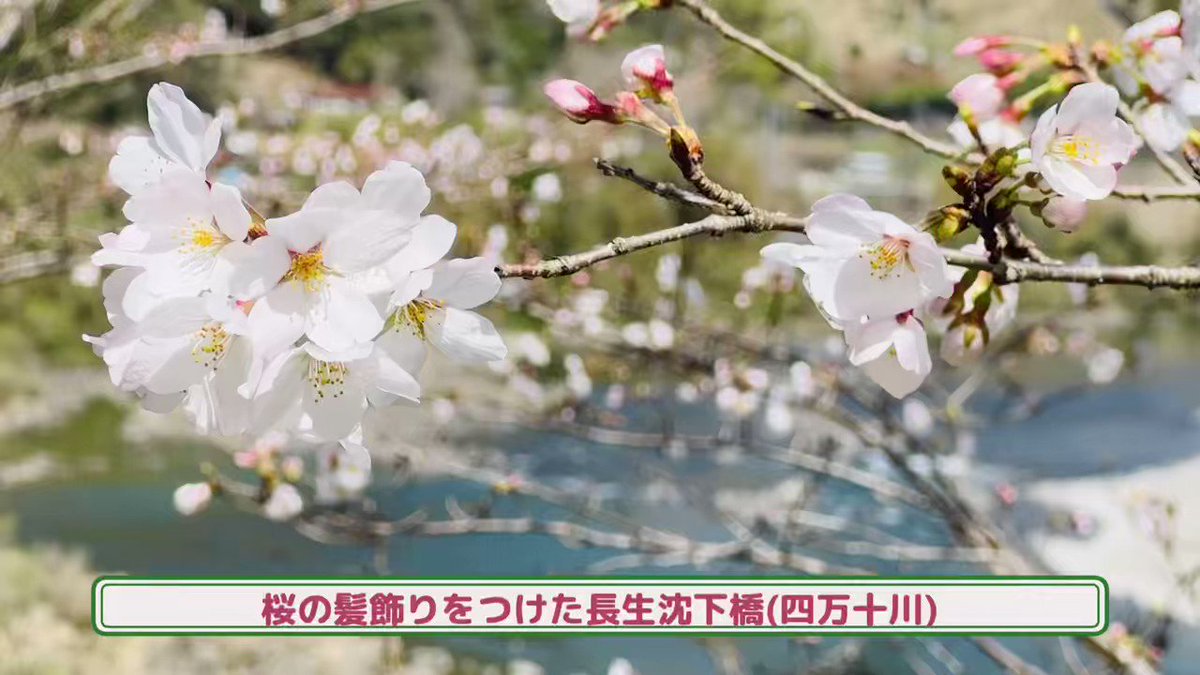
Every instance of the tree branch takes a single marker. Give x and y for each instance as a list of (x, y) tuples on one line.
[(839, 101), (852, 111), (1005, 271), (714, 225), (667, 191), (107, 72)]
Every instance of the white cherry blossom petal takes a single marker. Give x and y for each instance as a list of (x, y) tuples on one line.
[(277, 319), (366, 242), (181, 131), (333, 195), (305, 229), (464, 283), (431, 241), (465, 336), (399, 189), (405, 348), (250, 270), (137, 164), (344, 319), (229, 211)]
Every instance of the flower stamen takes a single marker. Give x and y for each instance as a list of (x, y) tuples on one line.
[(885, 256), (212, 341), (414, 315), (200, 237), (1078, 148), (327, 379), (308, 269)]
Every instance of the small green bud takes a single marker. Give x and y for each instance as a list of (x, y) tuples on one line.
[(1006, 164), (947, 222), (958, 179)]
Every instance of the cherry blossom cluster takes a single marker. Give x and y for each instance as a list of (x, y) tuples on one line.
[(871, 274), (878, 279), (1156, 65), (294, 324), (595, 19)]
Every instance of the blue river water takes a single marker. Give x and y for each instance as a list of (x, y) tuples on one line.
[(121, 515)]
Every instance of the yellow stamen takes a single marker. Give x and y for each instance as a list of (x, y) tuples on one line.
[(327, 379), (200, 237), (211, 343), (1078, 148), (886, 256), (413, 316), (308, 269)]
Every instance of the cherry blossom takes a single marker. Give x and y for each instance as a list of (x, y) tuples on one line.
[(1079, 144), (284, 503), (1104, 364), (917, 418), (1163, 64), (323, 395), (579, 15), (183, 136), (197, 346), (343, 471), (1165, 122), (319, 261), (892, 351), (863, 262), (645, 70), (192, 498), (433, 307), (979, 95), (1151, 55), (180, 233)]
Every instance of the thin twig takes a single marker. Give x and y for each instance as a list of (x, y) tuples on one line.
[(713, 225), (1005, 271), (819, 86), (107, 72), (665, 190), (852, 111)]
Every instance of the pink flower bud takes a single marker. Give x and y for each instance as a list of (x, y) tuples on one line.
[(980, 94), (974, 45), (1064, 214), (646, 68), (579, 103), (999, 61)]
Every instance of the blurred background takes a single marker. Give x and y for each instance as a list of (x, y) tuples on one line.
[(687, 391)]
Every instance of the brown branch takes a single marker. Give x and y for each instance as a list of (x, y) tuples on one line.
[(665, 190), (839, 101), (854, 112), (713, 225), (1018, 245), (1148, 276), (107, 72), (1006, 271)]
